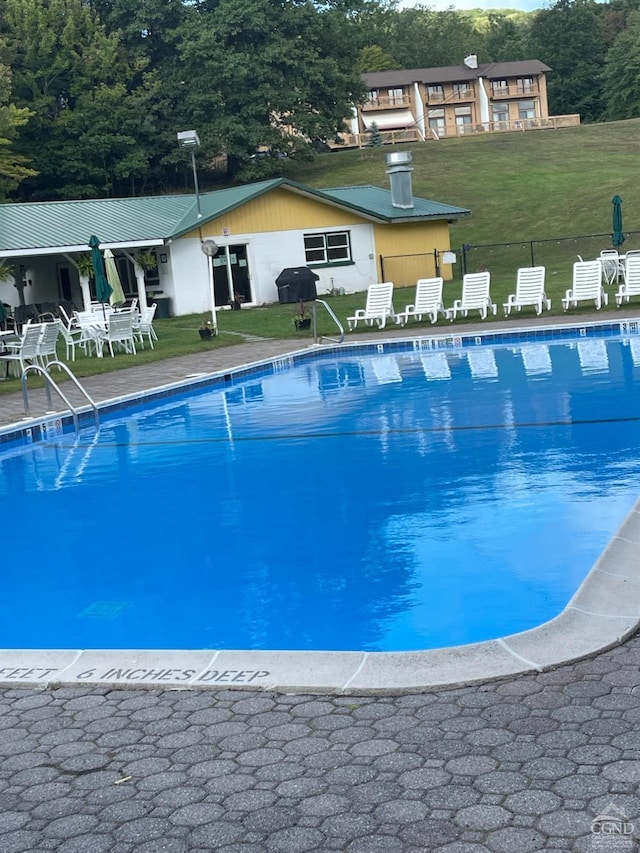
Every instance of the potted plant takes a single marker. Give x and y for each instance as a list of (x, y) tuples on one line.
[(207, 330), (302, 316)]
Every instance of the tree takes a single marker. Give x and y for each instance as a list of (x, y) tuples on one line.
[(577, 61), (279, 78), (621, 77), (73, 78), (373, 58), (14, 167), (375, 137)]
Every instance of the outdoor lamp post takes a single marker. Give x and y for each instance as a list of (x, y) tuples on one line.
[(189, 139), (210, 248)]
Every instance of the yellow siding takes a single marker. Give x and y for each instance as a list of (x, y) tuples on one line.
[(408, 251), (278, 210)]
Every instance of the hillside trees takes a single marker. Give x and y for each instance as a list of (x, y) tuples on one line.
[(262, 76), (14, 168), (569, 37), (621, 77), (83, 135)]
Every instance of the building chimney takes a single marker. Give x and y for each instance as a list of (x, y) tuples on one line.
[(399, 172), (471, 61)]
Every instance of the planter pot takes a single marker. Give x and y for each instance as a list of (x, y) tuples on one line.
[(303, 324), (205, 334)]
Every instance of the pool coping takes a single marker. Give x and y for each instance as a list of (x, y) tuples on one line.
[(603, 612)]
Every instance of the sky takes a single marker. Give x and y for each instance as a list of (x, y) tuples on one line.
[(461, 5)]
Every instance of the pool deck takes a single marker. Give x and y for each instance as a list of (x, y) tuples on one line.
[(402, 754)]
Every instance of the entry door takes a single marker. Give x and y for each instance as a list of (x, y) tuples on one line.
[(231, 275)]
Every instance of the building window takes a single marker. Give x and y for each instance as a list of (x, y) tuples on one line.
[(525, 85), (527, 109), (500, 115), (463, 118), (435, 93), (396, 97), (331, 248), (436, 121), (461, 90), (499, 87), (373, 97)]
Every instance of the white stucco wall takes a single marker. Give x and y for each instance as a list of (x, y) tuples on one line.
[(187, 278)]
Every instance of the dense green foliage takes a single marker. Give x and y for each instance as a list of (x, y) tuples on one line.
[(92, 92)]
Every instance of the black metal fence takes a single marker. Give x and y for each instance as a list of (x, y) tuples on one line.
[(556, 253)]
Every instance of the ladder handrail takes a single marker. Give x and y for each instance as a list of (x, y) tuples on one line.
[(332, 314), (51, 383)]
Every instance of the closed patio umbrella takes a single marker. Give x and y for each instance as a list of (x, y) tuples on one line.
[(113, 277), (617, 238), (103, 289)]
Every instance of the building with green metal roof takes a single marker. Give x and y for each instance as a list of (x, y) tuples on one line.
[(351, 236)]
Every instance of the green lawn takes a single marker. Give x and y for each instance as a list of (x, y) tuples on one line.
[(533, 186)]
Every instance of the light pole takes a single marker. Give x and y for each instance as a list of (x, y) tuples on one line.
[(189, 139), (210, 248)]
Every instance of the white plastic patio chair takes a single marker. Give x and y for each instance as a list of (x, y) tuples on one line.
[(120, 333), (587, 285), (378, 307), (475, 295), (24, 351), (143, 325), (631, 284), (428, 300), (47, 345), (611, 266), (529, 291)]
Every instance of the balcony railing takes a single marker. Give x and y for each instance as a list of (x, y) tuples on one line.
[(413, 134), (514, 91), (384, 102)]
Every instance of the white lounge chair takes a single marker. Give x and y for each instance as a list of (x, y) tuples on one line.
[(475, 295), (631, 284), (587, 285), (378, 308), (529, 291), (428, 300)]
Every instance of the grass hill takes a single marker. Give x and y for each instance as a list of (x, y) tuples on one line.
[(520, 187)]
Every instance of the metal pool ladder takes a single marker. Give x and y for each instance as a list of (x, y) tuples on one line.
[(315, 325), (51, 383)]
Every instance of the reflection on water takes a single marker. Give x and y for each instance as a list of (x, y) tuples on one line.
[(397, 501)]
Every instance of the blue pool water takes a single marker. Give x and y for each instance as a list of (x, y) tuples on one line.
[(379, 502)]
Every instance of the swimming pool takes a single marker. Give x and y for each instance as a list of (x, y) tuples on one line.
[(319, 553)]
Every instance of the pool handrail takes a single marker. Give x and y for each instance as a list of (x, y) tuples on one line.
[(315, 325)]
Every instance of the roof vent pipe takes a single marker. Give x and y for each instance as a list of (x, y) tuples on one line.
[(399, 172)]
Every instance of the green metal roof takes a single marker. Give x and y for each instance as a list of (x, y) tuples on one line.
[(36, 227), (374, 201)]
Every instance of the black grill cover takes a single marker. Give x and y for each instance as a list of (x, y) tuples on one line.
[(296, 283)]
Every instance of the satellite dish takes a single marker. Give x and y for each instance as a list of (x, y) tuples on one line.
[(209, 247)]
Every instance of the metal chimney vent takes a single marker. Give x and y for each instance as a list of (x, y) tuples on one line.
[(399, 172)]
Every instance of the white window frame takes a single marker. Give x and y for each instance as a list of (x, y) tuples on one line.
[(461, 90), (324, 248), (396, 97)]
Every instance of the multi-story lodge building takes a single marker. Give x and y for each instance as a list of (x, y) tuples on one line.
[(431, 103)]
